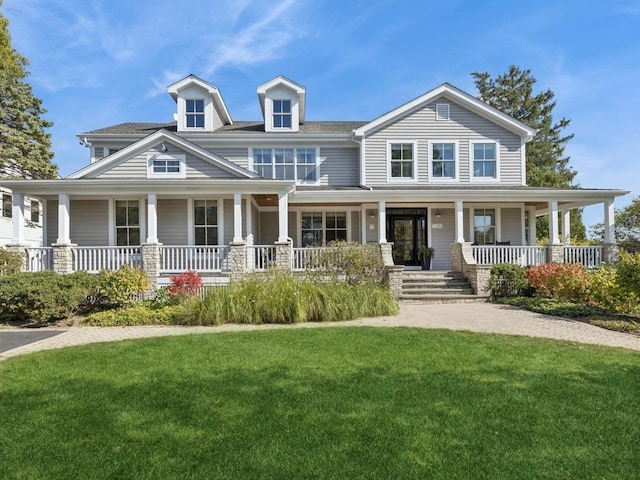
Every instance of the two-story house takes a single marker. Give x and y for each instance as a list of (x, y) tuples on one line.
[(440, 170)]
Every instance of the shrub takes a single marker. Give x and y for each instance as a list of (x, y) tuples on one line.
[(357, 263), (10, 262), (278, 297), (607, 292), (628, 272), (507, 280), (184, 285), (138, 314), (123, 285), (43, 296), (562, 281)]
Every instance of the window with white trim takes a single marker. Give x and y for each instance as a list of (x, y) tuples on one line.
[(484, 160), (7, 205), (205, 222), (443, 160), (194, 111), (401, 160), (162, 165), (35, 211), (484, 226), (286, 163), (318, 228), (282, 114), (127, 226)]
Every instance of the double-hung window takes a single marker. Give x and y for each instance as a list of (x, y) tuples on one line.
[(402, 160), (6, 205), (35, 211), (195, 113), (484, 226), (286, 163), (282, 114), (443, 160), (205, 222), (127, 222), (321, 227), (484, 160)]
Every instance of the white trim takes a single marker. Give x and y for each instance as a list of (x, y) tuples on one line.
[(414, 169), (523, 161), (382, 222), (142, 218), (152, 218), (553, 222), (212, 90), (17, 213), (64, 215), (472, 176), (237, 218), (457, 95), (295, 164), (456, 160), (151, 158), (281, 81), (220, 219), (498, 223)]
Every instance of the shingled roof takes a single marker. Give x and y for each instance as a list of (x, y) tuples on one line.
[(238, 128)]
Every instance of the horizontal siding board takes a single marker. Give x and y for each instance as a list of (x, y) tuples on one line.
[(441, 239), (464, 126), (339, 166), (89, 222), (511, 225), (173, 221)]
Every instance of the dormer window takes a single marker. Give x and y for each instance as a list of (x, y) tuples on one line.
[(282, 113), (195, 113)]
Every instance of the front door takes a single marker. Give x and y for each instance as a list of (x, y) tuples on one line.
[(406, 228)]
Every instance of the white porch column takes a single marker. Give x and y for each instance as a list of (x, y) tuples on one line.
[(459, 222), (17, 212), (532, 227), (382, 222), (609, 222), (64, 203), (553, 223), (363, 224), (566, 227), (249, 221), (152, 218), (283, 217), (237, 218)]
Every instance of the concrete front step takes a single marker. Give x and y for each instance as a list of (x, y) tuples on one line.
[(443, 299)]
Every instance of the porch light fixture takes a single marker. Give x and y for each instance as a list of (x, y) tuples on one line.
[(438, 214), (372, 215)]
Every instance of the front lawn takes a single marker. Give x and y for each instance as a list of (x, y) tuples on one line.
[(324, 403)]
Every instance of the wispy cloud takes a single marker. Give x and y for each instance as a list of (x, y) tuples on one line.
[(257, 42)]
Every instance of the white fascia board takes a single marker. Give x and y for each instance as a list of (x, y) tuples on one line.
[(461, 97), (270, 139), (116, 187), (580, 197), (153, 139)]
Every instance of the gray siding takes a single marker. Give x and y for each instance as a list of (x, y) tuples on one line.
[(172, 221), (255, 223), (339, 166), (199, 168), (355, 227), (441, 239), (511, 225), (89, 222), (268, 228), (237, 155), (52, 222), (372, 233), (135, 167), (463, 126), (227, 209)]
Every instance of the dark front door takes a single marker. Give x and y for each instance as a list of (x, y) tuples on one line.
[(406, 228)]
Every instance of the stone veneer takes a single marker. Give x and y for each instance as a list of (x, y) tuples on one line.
[(63, 257)]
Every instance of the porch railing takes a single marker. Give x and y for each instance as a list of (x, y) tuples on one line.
[(524, 255), (94, 259), (39, 259), (590, 257), (260, 257), (306, 258), (201, 258)]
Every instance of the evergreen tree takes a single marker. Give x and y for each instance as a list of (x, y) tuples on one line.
[(627, 231), (25, 146), (547, 164)]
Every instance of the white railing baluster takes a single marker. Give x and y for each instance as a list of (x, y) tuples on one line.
[(201, 258)]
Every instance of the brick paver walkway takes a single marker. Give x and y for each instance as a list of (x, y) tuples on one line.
[(475, 317)]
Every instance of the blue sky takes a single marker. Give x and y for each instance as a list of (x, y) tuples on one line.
[(96, 63)]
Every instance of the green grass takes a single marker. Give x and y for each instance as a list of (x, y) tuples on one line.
[(326, 403)]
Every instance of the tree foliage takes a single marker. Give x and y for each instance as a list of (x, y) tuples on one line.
[(25, 146), (547, 164), (627, 230)]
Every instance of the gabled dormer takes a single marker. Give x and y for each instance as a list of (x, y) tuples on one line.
[(200, 105), (282, 102)]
